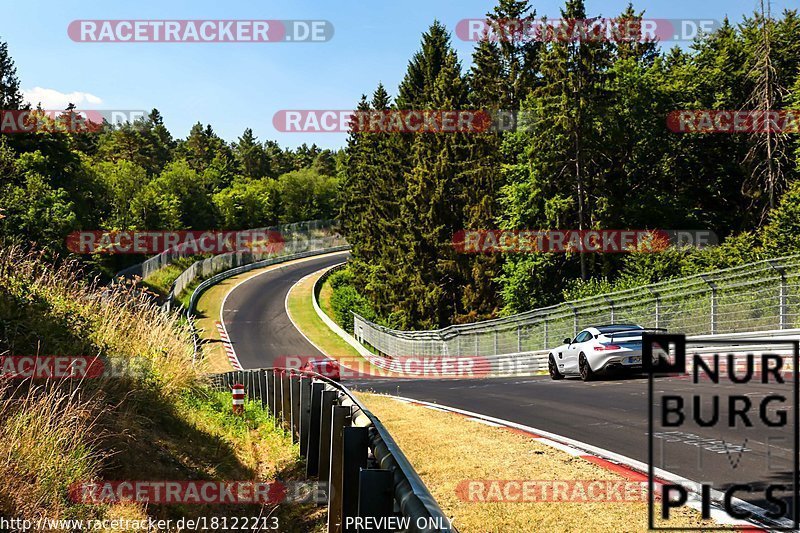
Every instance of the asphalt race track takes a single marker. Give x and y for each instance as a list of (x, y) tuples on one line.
[(256, 318), (611, 413)]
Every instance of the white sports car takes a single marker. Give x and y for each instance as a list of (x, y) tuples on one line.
[(596, 349)]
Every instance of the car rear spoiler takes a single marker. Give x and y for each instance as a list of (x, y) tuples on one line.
[(629, 331)]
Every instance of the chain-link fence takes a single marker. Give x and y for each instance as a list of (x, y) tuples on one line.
[(296, 231), (755, 297), (296, 247)]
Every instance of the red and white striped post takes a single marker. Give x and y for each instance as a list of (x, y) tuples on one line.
[(237, 391)]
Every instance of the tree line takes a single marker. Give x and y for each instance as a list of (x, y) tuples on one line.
[(595, 153), (138, 176)]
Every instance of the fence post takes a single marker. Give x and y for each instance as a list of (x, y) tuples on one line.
[(312, 457), (574, 319), (657, 298), (495, 342), (519, 339), (713, 288), (375, 493), (356, 448), (611, 305), (339, 420), (783, 308), (324, 465), (545, 334)]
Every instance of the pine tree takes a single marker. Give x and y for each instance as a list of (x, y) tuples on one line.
[(567, 104), (250, 156), (768, 153), (10, 95)]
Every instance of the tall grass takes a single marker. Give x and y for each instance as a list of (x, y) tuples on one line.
[(53, 433), (49, 443), (118, 322)]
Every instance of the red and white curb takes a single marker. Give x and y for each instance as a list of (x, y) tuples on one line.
[(630, 469), (228, 345)]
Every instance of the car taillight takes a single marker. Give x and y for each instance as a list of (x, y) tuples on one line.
[(606, 347)]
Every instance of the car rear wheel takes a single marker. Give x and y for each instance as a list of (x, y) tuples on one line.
[(553, 369), (586, 371)]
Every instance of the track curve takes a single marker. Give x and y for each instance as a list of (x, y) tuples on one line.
[(608, 413)]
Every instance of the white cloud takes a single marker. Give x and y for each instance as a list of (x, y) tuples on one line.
[(52, 99)]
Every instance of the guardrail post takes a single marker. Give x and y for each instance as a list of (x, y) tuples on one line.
[(312, 457), (263, 389), (375, 493), (295, 381), (305, 413), (356, 442), (340, 419), (783, 307), (713, 288), (286, 401), (275, 395), (324, 465), (252, 384)]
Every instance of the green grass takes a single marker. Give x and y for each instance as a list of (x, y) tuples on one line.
[(325, 293), (306, 319), (160, 281)]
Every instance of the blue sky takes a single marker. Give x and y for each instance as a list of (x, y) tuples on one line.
[(237, 85)]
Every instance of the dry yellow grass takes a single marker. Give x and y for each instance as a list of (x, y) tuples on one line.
[(475, 451)]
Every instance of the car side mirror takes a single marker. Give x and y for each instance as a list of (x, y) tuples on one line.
[(567, 341)]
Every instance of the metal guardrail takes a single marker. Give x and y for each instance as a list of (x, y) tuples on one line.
[(167, 257), (755, 297), (363, 471)]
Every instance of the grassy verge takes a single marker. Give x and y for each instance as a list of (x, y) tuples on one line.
[(153, 420), (162, 279), (476, 451), (305, 318), (325, 293), (208, 313)]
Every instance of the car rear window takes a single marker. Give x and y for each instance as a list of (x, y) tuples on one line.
[(617, 328)]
